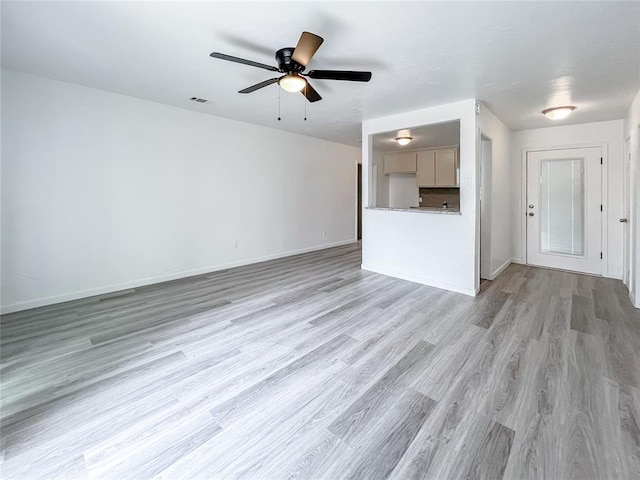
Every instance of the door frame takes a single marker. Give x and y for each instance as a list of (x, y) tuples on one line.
[(604, 182), (485, 207), (359, 203), (626, 213)]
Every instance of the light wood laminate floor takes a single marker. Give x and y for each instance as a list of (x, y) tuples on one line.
[(308, 367)]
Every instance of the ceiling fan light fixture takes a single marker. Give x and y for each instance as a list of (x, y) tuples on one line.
[(292, 82), (402, 141), (558, 113)]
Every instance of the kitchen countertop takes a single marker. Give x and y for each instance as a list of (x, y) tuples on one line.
[(438, 210)]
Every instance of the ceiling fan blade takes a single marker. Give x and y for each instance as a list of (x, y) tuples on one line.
[(260, 85), (340, 75), (307, 46), (310, 93), (251, 63)]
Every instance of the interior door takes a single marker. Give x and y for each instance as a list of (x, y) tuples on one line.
[(563, 211)]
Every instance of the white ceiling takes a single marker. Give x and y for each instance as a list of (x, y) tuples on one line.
[(436, 135), (517, 57)]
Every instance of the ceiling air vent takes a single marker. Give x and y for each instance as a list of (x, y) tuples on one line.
[(199, 100)]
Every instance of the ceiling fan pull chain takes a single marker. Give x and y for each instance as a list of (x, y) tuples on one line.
[(279, 105), (305, 103)]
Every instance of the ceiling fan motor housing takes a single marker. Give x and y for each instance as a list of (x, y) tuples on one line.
[(286, 63)]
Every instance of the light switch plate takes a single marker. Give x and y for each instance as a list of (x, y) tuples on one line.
[(466, 181)]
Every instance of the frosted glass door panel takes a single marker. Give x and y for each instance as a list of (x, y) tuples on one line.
[(562, 212)]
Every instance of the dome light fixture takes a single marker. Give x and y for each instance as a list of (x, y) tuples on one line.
[(292, 82), (558, 113), (402, 141)]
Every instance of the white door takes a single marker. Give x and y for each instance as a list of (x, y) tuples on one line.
[(564, 209)]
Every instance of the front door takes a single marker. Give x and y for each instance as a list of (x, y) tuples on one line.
[(564, 209)]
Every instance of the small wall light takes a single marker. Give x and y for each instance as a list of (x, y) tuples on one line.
[(558, 113), (402, 141)]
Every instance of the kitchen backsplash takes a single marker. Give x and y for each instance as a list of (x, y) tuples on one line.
[(433, 197)]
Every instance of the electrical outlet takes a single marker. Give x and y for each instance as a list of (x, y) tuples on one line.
[(235, 244), (324, 233)]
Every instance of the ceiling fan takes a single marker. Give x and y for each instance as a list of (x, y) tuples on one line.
[(292, 63)]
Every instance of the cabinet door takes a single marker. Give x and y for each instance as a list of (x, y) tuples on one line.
[(404, 162), (426, 169), (446, 171)]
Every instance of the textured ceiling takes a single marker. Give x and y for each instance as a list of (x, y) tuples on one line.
[(517, 57), (437, 135)]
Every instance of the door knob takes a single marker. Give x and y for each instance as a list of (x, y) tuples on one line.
[(531, 214), (623, 220)]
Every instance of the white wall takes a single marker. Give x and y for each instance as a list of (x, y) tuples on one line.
[(632, 131), (382, 181), (610, 135), (403, 190), (396, 190), (501, 185), (102, 192), (433, 249)]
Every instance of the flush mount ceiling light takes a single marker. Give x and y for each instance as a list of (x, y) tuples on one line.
[(558, 113), (402, 141), (292, 82)]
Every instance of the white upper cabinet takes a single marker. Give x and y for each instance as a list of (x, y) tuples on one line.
[(426, 169), (433, 168), (437, 168), (446, 168), (401, 162)]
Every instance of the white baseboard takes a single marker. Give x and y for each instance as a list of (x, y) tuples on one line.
[(635, 302), (614, 275), (500, 269), (90, 292), (423, 280)]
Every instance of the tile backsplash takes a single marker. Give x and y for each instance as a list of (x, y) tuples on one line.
[(433, 197)]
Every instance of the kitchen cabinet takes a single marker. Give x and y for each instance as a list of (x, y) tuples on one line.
[(426, 168), (401, 162), (437, 168), (446, 168)]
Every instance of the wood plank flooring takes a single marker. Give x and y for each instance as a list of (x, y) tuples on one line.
[(309, 368)]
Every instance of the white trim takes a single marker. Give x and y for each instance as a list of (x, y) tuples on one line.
[(627, 195), (416, 279), (604, 151), (633, 300), (90, 292), (521, 208), (500, 269), (479, 187)]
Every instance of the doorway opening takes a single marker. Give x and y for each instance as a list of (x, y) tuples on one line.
[(486, 161)]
